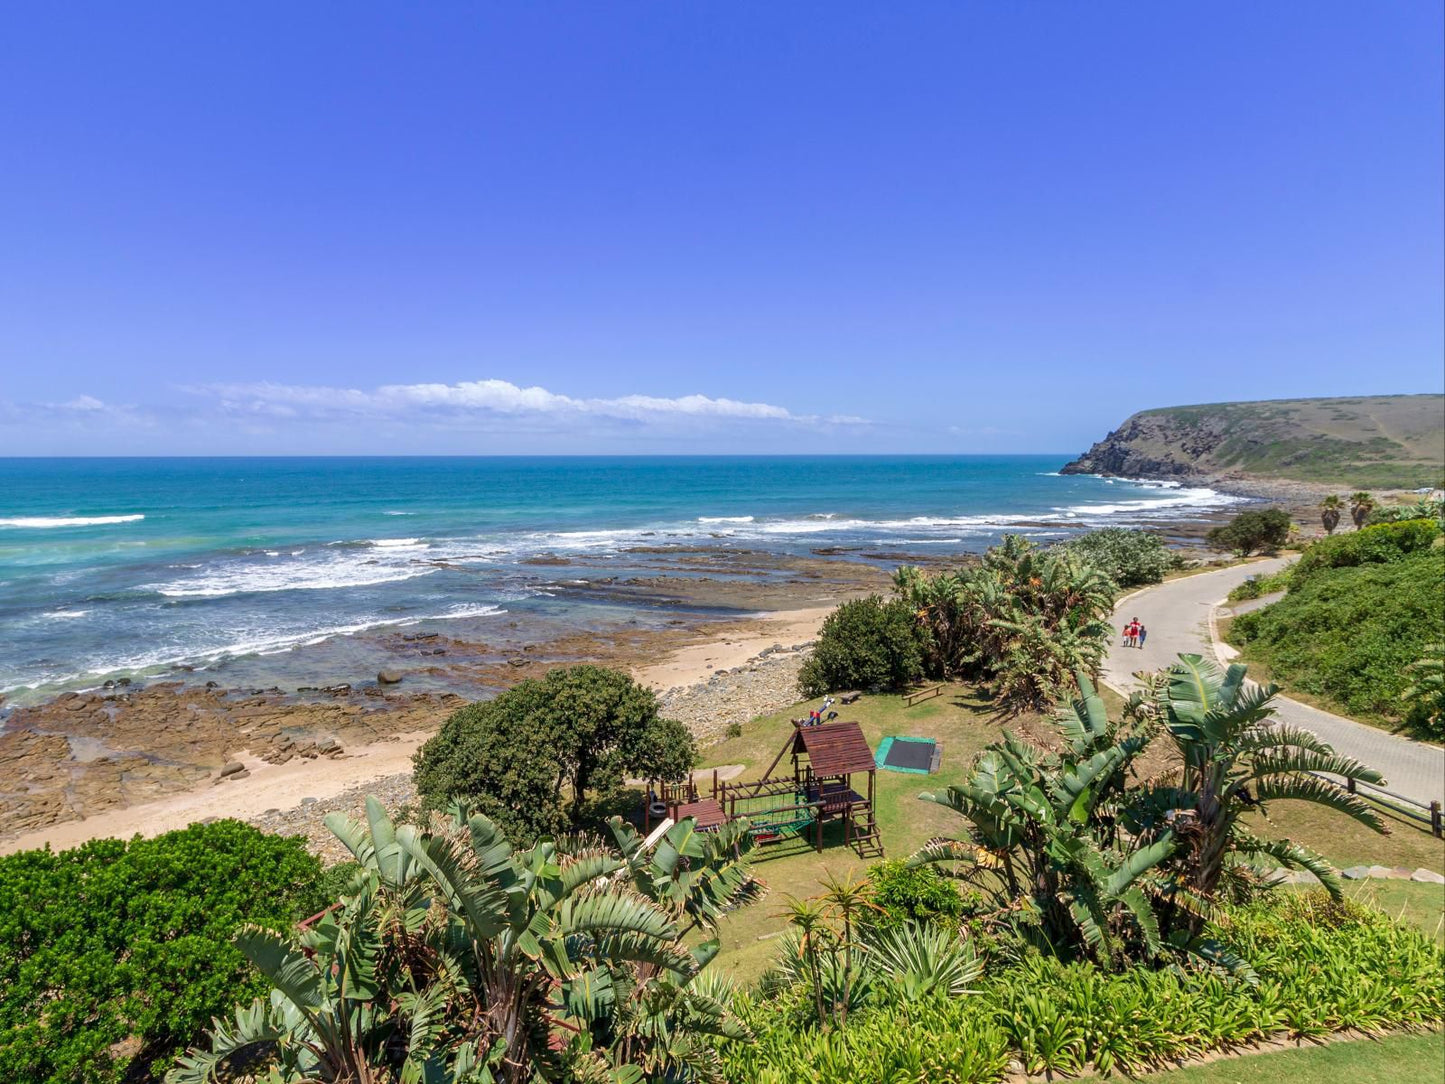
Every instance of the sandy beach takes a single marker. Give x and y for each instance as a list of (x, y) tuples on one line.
[(272, 789)]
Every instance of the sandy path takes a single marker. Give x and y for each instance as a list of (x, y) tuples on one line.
[(690, 665), (283, 786)]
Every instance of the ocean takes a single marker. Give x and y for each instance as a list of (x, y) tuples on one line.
[(148, 567)]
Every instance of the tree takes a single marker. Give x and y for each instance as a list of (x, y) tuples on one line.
[(1128, 557), (867, 643), (1264, 531), (1330, 513), (580, 729), (1361, 505)]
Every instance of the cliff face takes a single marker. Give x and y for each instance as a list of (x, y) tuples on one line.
[(1383, 441)]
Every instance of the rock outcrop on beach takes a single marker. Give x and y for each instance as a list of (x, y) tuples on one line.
[(1387, 441)]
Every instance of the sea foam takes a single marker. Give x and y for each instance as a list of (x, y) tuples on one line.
[(36, 523)]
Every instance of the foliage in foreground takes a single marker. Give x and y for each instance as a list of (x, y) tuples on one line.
[(1127, 556), (1255, 531), (1323, 966), (1022, 623), (453, 958), (578, 730), (1081, 864), (115, 955), (1349, 633), (868, 643)]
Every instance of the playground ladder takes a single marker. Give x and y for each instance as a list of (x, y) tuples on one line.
[(863, 834)]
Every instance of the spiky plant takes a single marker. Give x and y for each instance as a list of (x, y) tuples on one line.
[(1361, 505), (1330, 513)]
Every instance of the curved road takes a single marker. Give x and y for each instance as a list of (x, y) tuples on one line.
[(1177, 617)]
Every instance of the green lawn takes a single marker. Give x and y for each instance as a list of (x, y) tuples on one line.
[(964, 724), (1396, 1059)]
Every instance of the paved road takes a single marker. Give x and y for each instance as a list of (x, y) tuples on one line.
[(1177, 616)]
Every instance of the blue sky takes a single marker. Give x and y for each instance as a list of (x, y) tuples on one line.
[(956, 227)]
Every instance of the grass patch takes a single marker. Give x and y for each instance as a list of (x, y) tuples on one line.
[(1389, 1060)]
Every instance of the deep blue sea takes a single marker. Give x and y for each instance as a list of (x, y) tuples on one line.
[(115, 567)]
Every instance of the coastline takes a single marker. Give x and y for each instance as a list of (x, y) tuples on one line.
[(295, 795), (718, 633)]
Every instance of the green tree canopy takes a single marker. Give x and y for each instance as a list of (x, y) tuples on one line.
[(1128, 557), (1262, 531), (581, 729), (868, 643)]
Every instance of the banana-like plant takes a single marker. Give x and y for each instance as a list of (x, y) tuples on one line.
[(455, 960), (1236, 758), (1044, 840)]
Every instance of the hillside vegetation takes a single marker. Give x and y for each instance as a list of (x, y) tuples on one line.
[(1361, 608), (1384, 441)]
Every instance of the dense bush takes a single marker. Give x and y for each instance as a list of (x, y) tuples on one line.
[(1377, 545), (115, 955), (1348, 633), (1262, 531), (920, 894), (868, 643), (1322, 967), (1128, 557), (579, 730)]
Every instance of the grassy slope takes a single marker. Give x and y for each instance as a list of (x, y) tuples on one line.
[(1345, 637), (1396, 1058), (1392, 441), (963, 723)]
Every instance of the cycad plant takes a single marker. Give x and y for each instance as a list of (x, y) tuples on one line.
[(1330, 513)]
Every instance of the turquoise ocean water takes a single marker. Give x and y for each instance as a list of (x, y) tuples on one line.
[(113, 567)]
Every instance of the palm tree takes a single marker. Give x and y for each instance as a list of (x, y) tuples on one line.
[(1361, 505), (1236, 759), (1330, 513), (1425, 695)]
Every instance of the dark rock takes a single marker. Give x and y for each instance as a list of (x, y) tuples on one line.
[(389, 677)]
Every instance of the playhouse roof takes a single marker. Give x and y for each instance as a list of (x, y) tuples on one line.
[(835, 748)]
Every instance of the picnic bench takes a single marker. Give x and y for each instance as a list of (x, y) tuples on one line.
[(919, 695)]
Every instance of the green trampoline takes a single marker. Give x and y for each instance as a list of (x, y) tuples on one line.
[(918, 755)]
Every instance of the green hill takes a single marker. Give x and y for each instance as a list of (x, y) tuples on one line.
[(1379, 441)]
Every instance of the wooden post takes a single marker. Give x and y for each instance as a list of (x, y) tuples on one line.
[(1435, 825), (714, 783)]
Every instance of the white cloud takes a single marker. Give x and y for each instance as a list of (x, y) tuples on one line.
[(486, 397)]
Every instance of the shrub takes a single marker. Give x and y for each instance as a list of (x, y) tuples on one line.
[(1249, 532), (580, 729), (1381, 544), (1128, 557), (1349, 633), (868, 643), (920, 895), (1258, 586), (1322, 967), (115, 955)]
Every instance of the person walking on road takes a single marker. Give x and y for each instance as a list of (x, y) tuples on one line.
[(1140, 636)]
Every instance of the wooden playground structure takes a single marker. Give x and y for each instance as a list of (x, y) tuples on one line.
[(795, 805)]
